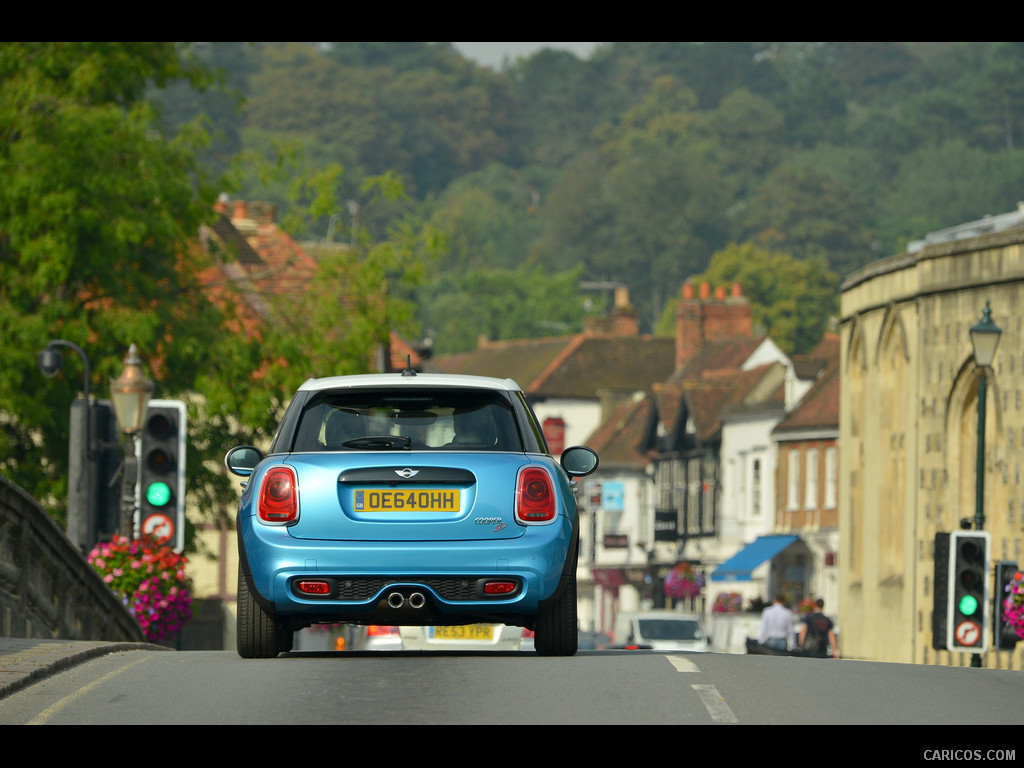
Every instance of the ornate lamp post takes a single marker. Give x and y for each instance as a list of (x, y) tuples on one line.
[(985, 340), (130, 393)]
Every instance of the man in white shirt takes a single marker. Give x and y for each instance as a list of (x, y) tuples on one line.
[(777, 626)]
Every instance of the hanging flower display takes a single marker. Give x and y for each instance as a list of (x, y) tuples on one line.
[(807, 605), (683, 581), (150, 580), (1013, 604), (727, 602)]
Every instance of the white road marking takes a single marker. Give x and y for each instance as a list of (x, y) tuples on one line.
[(714, 703), (682, 664)]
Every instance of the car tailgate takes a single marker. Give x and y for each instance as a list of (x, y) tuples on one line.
[(406, 496)]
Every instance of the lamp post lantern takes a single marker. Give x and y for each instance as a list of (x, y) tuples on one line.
[(985, 340), (130, 393)]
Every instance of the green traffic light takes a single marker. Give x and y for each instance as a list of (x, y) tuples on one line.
[(968, 605), (158, 494)]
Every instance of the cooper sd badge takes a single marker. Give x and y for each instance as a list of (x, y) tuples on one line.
[(495, 521)]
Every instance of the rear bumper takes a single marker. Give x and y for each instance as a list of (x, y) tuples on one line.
[(382, 582)]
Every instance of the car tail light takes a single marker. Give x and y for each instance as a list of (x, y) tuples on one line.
[(535, 498), (314, 587), (381, 631), (502, 587), (279, 497)]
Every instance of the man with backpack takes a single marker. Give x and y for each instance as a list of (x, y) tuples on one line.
[(818, 635)]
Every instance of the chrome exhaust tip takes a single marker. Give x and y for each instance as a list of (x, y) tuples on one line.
[(417, 600), (396, 600)]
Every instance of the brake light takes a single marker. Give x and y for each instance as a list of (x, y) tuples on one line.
[(374, 630), (535, 498), (279, 497)]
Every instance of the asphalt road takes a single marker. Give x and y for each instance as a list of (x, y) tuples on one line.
[(151, 685)]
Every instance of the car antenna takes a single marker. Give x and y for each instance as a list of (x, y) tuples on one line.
[(408, 367)]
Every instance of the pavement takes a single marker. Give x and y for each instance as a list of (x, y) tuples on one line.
[(24, 661)]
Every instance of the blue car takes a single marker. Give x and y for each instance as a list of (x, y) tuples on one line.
[(407, 500)]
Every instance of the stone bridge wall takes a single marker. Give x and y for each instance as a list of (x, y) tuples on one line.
[(48, 590)]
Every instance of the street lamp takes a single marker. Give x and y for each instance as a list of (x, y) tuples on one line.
[(130, 393), (985, 339)]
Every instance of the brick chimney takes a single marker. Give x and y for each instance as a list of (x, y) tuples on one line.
[(623, 319), (705, 319)]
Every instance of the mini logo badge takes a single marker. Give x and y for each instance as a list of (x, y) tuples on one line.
[(407, 472)]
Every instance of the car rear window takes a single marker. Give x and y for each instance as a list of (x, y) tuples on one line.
[(418, 419), (670, 629)]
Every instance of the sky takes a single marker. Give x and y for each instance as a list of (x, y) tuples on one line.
[(492, 54)]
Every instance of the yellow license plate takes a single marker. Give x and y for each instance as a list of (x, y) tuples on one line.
[(466, 632), (395, 500)]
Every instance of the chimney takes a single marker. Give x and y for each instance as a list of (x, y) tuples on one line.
[(221, 206), (703, 320), (240, 210), (623, 319)]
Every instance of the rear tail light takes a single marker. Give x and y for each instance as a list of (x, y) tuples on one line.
[(535, 496), (279, 497), (501, 587), (314, 587), (381, 631)]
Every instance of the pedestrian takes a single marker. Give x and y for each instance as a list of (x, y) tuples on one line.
[(818, 634), (777, 625)]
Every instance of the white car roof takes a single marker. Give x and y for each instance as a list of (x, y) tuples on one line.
[(399, 380)]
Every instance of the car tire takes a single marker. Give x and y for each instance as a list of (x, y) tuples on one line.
[(259, 636), (557, 630)]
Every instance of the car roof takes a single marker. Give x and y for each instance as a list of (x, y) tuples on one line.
[(671, 615), (403, 380)]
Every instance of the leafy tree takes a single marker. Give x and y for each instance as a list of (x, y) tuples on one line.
[(525, 302), (792, 300), (99, 210)]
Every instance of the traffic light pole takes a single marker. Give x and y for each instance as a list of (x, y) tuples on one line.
[(979, 471)]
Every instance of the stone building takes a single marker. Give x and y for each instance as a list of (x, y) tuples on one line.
[(908, 430)]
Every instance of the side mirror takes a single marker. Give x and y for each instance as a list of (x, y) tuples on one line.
[(579, 461), (242, 460)]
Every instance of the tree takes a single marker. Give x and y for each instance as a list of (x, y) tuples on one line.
[(792, 300), (99, 210)]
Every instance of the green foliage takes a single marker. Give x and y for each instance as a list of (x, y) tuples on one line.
[(527, 302), (792, 300)]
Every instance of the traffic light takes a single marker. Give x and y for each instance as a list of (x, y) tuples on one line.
[(162, 473), (1004, 637), (961, 609), (94, 458)]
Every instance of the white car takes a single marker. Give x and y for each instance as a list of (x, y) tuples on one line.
[(465, 637), (661, 631)]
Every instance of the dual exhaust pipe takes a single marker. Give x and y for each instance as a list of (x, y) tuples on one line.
[(415, 600)]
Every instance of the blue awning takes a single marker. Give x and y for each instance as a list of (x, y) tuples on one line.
[(741, 565)]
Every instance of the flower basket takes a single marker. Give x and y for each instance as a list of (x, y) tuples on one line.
[(807, 605), (1013, 604), (683, 581), (727, 602), (150, 580)]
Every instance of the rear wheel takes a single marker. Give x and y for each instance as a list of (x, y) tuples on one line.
[(259, 634), (556, 633)]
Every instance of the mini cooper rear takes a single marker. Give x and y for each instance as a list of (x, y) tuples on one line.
[(407, 500)]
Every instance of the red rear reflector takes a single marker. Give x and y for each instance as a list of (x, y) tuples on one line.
[(374, 630), (535, 498), (279, 501), (315, 587), (500, 587)]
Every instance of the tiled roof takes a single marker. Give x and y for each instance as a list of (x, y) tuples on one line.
[(577, 366), (819, 408), (619, 438)]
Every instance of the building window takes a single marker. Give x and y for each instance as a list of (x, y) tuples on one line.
[(755, 487), (811, 484), (793, 480), (831, 477)]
